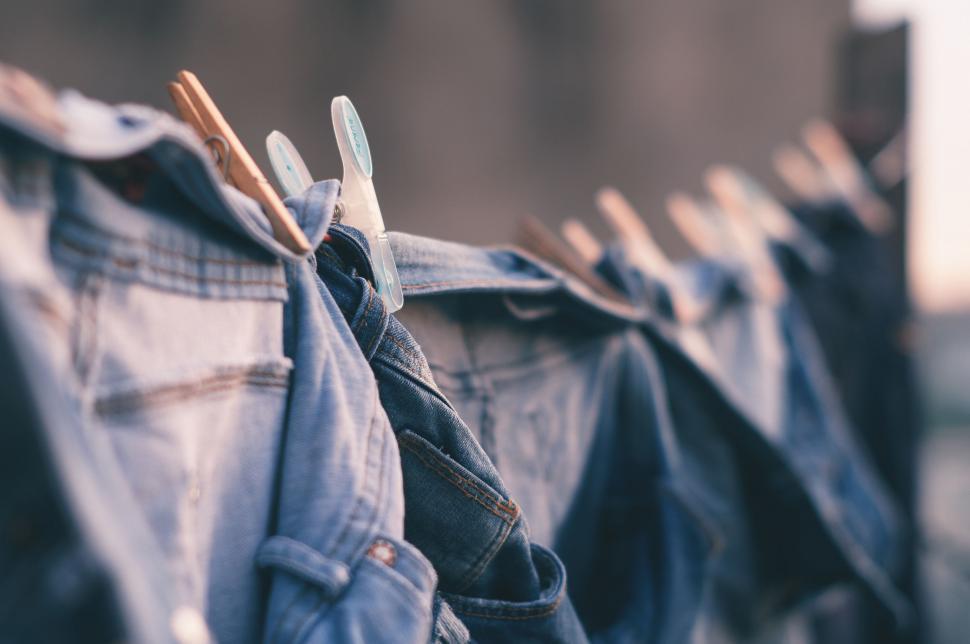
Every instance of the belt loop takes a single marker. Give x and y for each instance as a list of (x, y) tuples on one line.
[(369, 322)]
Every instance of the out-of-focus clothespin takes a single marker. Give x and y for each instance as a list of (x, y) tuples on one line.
[(730, 194), (847, 175), (582, 240)]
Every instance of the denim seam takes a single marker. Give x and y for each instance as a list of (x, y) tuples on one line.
[(484, 558), (383, 482), (559, 353), (330, 552), (417, 378), (358, 505), (376, 337), (495, 283), (363, 316), (84, 340), (487, 553), (504, 613), (73, 220), (130, 401), (408, 590), (46, 306), (131, 265), (508, 514), (312, 616), (407, 351)]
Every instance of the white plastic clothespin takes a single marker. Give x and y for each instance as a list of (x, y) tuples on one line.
[(358, 201)]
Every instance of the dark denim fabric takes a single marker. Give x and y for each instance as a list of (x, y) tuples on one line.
[(458, 512), (858, 308), (831, 513), (66, 574), (225, 459), (564, 395)]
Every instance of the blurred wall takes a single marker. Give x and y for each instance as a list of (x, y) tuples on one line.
[(476, 112)]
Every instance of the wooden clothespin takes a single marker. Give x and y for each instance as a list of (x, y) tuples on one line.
[(847, 175), (890, 165), (775, 220), (694, 224), (729, 193), (535, 237), (634, 234), (632, 231), (804, 177), (582, 240), (198, 110)]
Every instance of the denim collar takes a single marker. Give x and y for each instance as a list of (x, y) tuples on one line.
[(95, 131)]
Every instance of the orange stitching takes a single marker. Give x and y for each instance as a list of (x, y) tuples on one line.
[(545, 612), (510, 506), (497, 283), (442, 468), (121, 402), (88, 252), (403, 347), (130, 240)]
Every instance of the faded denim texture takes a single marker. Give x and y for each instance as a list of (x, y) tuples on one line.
[(563, 395), (849, 529), (220, 388), (492, 576)]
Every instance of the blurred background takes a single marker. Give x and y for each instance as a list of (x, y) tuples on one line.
[(478, 113)]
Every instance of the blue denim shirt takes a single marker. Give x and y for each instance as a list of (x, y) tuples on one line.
[(224, 396), (809, 439)]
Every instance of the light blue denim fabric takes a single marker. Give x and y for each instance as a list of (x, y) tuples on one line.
[(69, 573), (224, 389), (342, 571), (809, 436), (564, 395)]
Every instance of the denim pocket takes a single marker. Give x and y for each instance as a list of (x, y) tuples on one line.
[(458, 521), (199, 453), (387, 596), (549, 617)]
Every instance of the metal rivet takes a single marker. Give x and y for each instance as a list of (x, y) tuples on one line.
[(383, 551)]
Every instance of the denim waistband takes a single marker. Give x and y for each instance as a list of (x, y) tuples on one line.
[(158, 244)]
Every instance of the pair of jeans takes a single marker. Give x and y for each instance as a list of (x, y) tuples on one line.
[(561, 393), (458, 512), (222, 391), (814, 454), (341, 569)]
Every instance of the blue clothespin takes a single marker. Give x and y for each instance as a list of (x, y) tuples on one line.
[(358, 200)]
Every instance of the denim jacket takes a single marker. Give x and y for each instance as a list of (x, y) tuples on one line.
[(230, 436)]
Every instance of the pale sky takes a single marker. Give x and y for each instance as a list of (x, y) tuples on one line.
[(939, 243)]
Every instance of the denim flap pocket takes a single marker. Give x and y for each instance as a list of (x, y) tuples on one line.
[(454, 518), (390, 589)]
